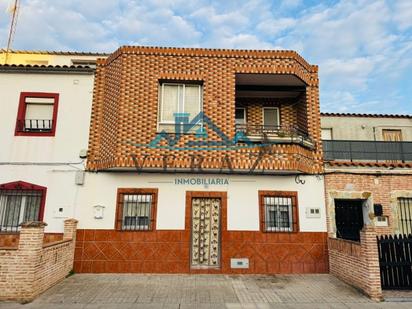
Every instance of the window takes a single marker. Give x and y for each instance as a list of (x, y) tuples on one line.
[(392, 135), (271, 116), (84, 62), (136, 209), (240, 116), (405, 215), (278, 211), (327, 134), (179, 98), (20, 202), (37, 114)]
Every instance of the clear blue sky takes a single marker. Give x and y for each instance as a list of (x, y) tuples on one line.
[(363, 47)]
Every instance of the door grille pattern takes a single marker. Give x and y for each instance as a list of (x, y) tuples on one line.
[(205, 232)]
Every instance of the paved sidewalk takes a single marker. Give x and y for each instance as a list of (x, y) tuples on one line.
[(202, 291)]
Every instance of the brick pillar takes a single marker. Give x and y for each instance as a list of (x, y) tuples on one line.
[(370, 257), (30, 250), (70, 227)]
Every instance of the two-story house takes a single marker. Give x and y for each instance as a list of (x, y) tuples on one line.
[(203, 160), (45, 104)]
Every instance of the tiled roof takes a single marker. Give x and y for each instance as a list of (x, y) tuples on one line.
[(48, 52), (365, 115), (45, 68)]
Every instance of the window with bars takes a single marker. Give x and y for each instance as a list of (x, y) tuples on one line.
[(37, 114), (20, 202), (136, 209), (278, 211), (405, 215)]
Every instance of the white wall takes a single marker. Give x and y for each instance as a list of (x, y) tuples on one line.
[(243, 206), (18, 153), (366, 128), (73, 118)]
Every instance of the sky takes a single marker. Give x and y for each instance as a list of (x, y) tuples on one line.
[(363, 48)]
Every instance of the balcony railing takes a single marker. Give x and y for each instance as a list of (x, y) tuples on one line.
[(274, 133), (34, 125), (367, 151)]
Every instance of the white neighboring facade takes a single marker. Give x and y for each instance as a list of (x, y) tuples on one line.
[(47, 161)]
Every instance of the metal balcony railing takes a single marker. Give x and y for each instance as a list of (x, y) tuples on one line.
[(367, 151), (265, 131), (34, 125)]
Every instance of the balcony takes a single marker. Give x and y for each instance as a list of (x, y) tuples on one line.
[(273, 134), (377, 151), (34, 125)]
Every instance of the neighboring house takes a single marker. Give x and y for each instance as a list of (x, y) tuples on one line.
[(53, 58), (45, 119), (203, 160), (368, 166)]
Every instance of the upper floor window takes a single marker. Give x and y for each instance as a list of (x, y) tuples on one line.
[(20, 202), (179, 100), (136, 209), (327, 134), (37, 114), (391, 135), (278, 211)]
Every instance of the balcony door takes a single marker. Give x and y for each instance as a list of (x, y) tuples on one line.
[(271, 117)]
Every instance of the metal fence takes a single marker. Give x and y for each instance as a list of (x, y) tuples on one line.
[(395, 260), (367, 150), (34, 125)]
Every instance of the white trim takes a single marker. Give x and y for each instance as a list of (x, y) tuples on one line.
[(278, 114)]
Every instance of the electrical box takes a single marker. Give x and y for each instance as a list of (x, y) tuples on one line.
[(239, 263), (312, 212), (381, 221), (79, 178), (98, 211)]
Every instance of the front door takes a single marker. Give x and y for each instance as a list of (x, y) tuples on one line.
[(205, 232)]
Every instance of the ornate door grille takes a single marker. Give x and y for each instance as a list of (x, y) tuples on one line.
[(205, 232)]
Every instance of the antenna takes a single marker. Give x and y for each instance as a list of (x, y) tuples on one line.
[(14, 11)]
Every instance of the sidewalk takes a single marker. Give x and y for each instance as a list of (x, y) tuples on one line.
[(202, 291)]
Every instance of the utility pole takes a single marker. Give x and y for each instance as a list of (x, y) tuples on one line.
[(14, 11)]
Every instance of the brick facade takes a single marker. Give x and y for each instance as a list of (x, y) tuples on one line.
[(125, 107), (380, 188), (34, 266)]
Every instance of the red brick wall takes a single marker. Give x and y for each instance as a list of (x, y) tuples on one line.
[(357, 263), (12, 239), (100, 251), (381, 189), (33, 266)]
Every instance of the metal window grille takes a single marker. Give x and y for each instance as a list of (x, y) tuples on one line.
[(137, 212), (278, 213), (18, 206), (405, 215)]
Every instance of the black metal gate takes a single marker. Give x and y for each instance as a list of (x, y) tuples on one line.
[(395, 260)]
